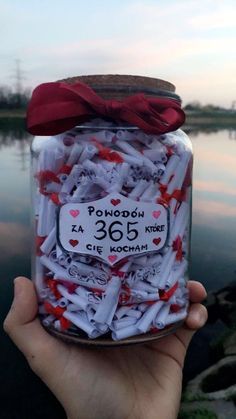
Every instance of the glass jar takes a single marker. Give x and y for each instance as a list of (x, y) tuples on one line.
[(112, 209)]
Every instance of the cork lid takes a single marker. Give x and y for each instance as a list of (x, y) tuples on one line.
[(118, 86)]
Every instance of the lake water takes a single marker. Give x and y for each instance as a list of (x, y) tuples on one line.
[(213, 259)]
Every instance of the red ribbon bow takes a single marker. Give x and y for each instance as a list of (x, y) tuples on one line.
[(58, 107)]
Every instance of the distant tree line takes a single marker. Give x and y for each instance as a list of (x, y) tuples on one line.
[(13, 100), (9, 99), (198, 107)]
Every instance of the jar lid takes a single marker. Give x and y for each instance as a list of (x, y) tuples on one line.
[(116, 86)]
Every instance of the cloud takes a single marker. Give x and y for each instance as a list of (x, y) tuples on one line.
[(224, 17), (217, 159), (206, 210), (168, 40), (213, 186)]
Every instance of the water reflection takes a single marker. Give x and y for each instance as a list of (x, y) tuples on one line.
[(213, 240), (214, 208), (214, 202), (15, 204)]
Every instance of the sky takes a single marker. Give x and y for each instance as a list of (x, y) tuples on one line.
[(191, 43)]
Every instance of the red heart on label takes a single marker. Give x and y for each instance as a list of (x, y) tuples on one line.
[(112, 258), (73, 243), (115, 202), (74, 213), (156, 214), (157, 241)]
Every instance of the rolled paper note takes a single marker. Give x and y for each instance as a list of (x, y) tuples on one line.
[(180, 172), (154, 259), (123, 323), (51, 215), (59, 251), (166, 266), (74, 154), (171, 165), (44, 293), (80, 322), (140, 260), (59, 159), (181, 221), (48, 320), (173, 208), (169, 139), (42, 228), (139, 189), (127, 158), (62, 302), (72, 307), (46, 160), (39, 275), (88, 152), (149, 316), (134, 313), (103, 136), (125, 332), (59, 272), (79, 268), (53, 187), (57, 325), (64, 260), (53, 256), (83, 292), (80, 280), (121, 312), (103, 328), (123, 135), (70, 182), (161, 317), (176, 317), (128, 148), (82, 303), (143, 138), (142, 307), (160, 169), (176, 274), (90, 314), (109, 303), (152, 296), (80, 192), (144, 286)]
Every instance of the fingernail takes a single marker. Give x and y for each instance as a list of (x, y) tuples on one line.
[(200, 317)]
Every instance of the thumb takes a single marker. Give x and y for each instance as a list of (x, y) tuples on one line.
[(24, 328), (196, 319)]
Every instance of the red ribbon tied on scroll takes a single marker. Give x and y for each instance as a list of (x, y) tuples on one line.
[(57, 107)]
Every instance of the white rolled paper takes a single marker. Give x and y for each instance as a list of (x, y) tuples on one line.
[(108, 305), (123, 300), (149, 316)]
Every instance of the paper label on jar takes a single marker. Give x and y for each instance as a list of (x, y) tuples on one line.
[(113, 228)]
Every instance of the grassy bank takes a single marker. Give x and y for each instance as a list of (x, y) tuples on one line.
[(12, 113), (194, 119), (216, 119)]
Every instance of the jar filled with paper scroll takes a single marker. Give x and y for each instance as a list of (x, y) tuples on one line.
[(111, 171)]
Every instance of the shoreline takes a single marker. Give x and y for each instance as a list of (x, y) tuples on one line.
[(193, 119)]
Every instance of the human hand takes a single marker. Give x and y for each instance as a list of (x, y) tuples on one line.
[(133, 382)]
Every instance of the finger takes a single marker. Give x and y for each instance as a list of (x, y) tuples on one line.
[(197, 292), (196, 319), (24, 328), (197, 316)]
